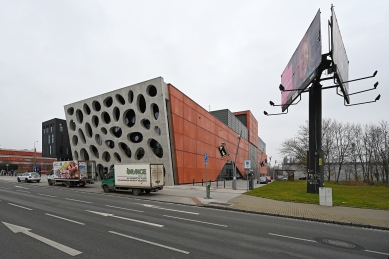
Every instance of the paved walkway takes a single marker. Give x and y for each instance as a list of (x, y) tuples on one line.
[(229, 199)]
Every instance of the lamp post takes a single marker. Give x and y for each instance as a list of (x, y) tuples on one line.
[(35, 155), (236, 154)]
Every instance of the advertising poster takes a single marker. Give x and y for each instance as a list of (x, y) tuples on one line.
[(66, 170)]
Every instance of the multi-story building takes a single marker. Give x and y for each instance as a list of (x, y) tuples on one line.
[(25, 160), (55, 140), (154, 122)]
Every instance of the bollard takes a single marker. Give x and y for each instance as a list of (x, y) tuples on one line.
[(202, 182), (208, 191), (217, 183), (224, 184), (193, 181)]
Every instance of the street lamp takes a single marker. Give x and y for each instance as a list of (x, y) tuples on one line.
[(35, 156), (236, 154)]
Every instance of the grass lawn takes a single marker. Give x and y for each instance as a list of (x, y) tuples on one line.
[(368, 196)]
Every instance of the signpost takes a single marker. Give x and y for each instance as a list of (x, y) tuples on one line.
[(247, 165), (207, 187)]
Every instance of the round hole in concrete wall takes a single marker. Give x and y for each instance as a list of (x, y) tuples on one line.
[(82, 136), (145, 123), (106, 156), (79, 116), (117, 157), (98, 139), (125, 149), (129, 118), (155, 110), (105, 117), (135, 137), (84, 154), (74, 140), (140, 153), (104, 130), (152, 90), (110, 143), (157, 130), (141, 102), (116, 113), (96, 106), (130, 96), (156, 148), (95, 121), (108, 101), (94, 151), (88, 130), (86, 109), (75, 155), (70, 111), (116, 131), (72, 125), (120, 99)]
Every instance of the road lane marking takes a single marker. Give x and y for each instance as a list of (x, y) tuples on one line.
[(157, 207), (47, 195), (376, 252), (123, 208), (19, 206), (64, 219), (149, 242), (5, 188), (20, 187), (197, 221), (63, 248), (135, 220), (23, 191), (313, 241), (78, 200)]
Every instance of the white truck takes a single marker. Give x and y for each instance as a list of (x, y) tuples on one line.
[(137, 178), (72, 173)]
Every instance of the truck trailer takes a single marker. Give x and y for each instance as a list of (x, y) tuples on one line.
[(72, 173), (137, 178)]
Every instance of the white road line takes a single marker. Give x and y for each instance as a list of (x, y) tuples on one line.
[(123, 208), (23, 191), (64, 219), (313, 241), (78, 200), (20, 187), (19, 206), (376, 252), (196, 221), (134, 220), (47, 195), (157, 207), (5, 188), (149, 242)]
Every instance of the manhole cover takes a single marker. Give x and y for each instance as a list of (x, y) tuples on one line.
[(339, 243)]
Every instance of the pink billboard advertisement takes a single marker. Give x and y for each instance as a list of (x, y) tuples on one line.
[(301, 69)]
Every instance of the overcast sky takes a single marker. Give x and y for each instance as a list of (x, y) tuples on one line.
[(222, 54)]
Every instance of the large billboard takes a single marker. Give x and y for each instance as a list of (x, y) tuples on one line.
[(301, 69), (339, 57)]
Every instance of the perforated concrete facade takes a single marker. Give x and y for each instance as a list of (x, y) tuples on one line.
[(128, 125)]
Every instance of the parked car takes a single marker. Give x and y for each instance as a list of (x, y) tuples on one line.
[(29, 177), (268, 179), (262, 179)]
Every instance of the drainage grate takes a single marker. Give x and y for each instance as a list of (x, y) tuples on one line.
[(339, 243)]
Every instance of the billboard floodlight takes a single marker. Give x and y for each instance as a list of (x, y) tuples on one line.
[(378, 97), (375, 73), (281, 87), (267, 114), (375, 85)]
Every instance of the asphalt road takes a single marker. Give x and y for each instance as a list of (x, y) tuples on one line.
[(41, 221)]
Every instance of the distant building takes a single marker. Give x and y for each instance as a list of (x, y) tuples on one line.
[(55, 140), (25, 160), (154, 122)]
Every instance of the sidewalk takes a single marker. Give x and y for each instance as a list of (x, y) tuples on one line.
[(229, 199)]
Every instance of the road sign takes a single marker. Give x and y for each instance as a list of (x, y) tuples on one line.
[(205, 157), (247, 164)]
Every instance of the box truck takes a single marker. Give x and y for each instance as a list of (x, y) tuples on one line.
[(72, 173), (137, 178)]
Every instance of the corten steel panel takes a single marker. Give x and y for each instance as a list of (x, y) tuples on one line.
[(180, 174), (179, 141), (190, 113), (177, 106), (176, 93), (180, 158), (190, 144), (178, 123), (189, 129), (189, 160)]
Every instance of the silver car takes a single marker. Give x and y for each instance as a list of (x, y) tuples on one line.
[(29, 177), (262, 179)]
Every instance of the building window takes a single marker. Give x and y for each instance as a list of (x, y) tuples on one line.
[(52, 138), (60, 127), (61, 150), (51, 127), (50, 150), (67, 151), (48, 138)]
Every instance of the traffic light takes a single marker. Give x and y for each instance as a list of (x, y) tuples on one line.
[(222, 151)]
